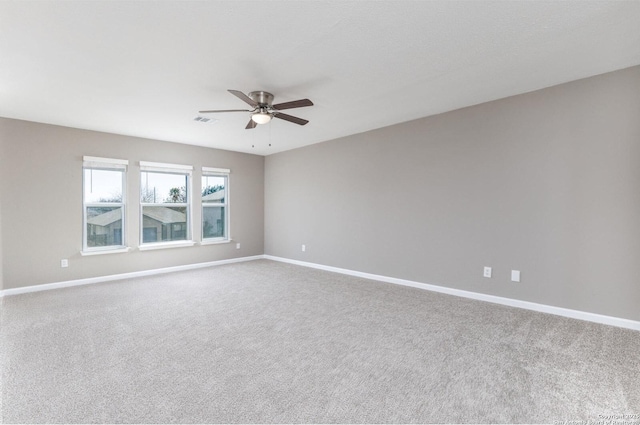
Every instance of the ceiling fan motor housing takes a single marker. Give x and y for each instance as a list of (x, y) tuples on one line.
[(262, 97)]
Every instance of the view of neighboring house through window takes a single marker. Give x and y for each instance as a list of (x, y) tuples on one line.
[(104, 203), (215, 198), (165, 202)]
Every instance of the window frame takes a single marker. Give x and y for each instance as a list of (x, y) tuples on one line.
[(175, 169), (104, 164), (216, 172)]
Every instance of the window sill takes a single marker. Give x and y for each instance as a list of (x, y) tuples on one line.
[(215, 241), (165, 245), (105, 251)]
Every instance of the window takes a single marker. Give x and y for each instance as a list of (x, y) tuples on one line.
[(215, 201), (103, 204), (165, 203)]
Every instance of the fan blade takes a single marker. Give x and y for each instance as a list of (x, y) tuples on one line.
[(291, 118), (224, 110), (251, 124), (243, 97), (293, 104)]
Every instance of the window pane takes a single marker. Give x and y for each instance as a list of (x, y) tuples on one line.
[(213, 189), (102, 185), (164, 224), (213, 224), (104, 226), (158, 188)]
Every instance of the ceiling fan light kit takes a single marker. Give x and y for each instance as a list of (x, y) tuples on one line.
[(263, 109), (261, 117)]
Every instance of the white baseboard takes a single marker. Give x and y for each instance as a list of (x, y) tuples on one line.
[(87, 281), (559, 311)]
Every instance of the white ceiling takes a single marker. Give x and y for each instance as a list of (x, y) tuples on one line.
[(146, 68)]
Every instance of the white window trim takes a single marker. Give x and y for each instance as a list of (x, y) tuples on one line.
[(90, 160), (158, 167), (98, 163), (105, 251), (207, 171), (212, 241), (217, 172), (164, 168), (149, 246)]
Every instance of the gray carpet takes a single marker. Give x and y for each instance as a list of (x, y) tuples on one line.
[(269, 342)]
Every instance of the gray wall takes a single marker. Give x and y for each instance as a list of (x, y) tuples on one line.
[(546, 183), (41, 210)]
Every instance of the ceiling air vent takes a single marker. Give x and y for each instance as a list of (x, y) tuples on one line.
[(205, 119)]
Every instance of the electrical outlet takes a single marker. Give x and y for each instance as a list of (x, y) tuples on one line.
[(64, 263), (304, 248), (487, 272), (515, 275), (238, 245)]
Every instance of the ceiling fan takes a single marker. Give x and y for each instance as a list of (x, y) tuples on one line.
[(263, 109)]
